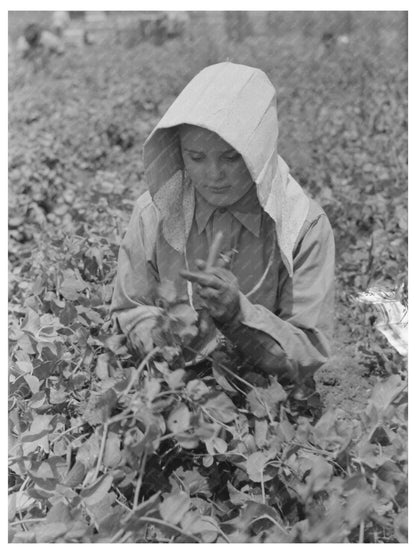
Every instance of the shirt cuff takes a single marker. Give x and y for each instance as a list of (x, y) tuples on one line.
[(128, 319), (248, 315)]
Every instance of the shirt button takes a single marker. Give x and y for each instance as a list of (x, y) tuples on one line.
[(222, 210)]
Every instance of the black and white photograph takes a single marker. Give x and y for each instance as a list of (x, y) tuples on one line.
[(207, 276)]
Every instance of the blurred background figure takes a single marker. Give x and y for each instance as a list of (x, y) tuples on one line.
[(60, 22), (177, 23), (238, 25), (38, 44)]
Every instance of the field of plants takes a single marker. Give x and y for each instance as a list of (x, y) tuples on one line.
[(105, 447)]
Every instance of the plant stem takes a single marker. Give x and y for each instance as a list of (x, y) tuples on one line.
[(169, 526), (139, 481), (204, 410), (117, 536), (361, 537), (263, 492), (270, 518), (25, 482), (101, 454), (24, 521), (126, 536), (225, 368), (66, 432), (81, 361), (165, 393), (136, 374), (223, 535), (123, 505)]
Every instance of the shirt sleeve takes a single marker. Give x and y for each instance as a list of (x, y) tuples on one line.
[(295, 340), (137, 274)]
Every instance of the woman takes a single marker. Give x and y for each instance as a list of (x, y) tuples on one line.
[(212, 165)]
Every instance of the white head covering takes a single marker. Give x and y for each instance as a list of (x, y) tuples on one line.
[(239, 104)]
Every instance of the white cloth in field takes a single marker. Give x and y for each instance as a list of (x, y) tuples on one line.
[(392, 317)]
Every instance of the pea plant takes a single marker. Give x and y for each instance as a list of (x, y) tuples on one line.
[(109, 446)]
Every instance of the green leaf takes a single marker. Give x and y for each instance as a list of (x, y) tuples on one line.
[(256, 467), (132, 521), (221, 407), (88, 452), (202, 525), (207, 461), (264, 402), (385, 392), (71, 287), (102, 509), (58, 396), (68, 314), (174, 507), (37, 436), (216, 445), (390, 472), (179, 419), (401, 526), (183, 319), (196, 389), (191, 481), (46, 484), (257, 515), (31, 323), (151, 389), (187, 440), (318, 478), (102, 366), (175, 378), (117, 344), (49, 532), (76, 475), (19, 501), (260, 432), (237, 497), (37, 400), (97, 492), (219, 376), (25, 366), (358, 506), (33, 383), (112, 454), (100, 406)]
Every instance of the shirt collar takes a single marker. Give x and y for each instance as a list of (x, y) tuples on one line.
[(247, 211)]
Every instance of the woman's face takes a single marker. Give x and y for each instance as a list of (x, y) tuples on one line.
[(217, 171)]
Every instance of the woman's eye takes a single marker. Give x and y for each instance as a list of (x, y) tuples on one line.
[(196, 158), (232, 157)]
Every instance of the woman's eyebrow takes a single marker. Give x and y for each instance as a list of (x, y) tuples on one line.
[(228, 151)]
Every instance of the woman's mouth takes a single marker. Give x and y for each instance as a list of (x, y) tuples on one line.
[(219, 190)]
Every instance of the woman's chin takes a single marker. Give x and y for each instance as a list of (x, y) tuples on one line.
[(220, 199)]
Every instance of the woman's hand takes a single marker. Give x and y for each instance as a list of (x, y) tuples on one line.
[(218, 288)]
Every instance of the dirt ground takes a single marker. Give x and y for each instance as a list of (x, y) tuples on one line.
[(342, 382)]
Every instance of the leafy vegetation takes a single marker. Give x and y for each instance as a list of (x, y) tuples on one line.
[(106, 446)]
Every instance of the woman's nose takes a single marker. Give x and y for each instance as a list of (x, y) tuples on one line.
[(217, 172)]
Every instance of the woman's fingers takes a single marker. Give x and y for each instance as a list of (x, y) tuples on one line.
[(208, 293), (202, 278), (223, 261)]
